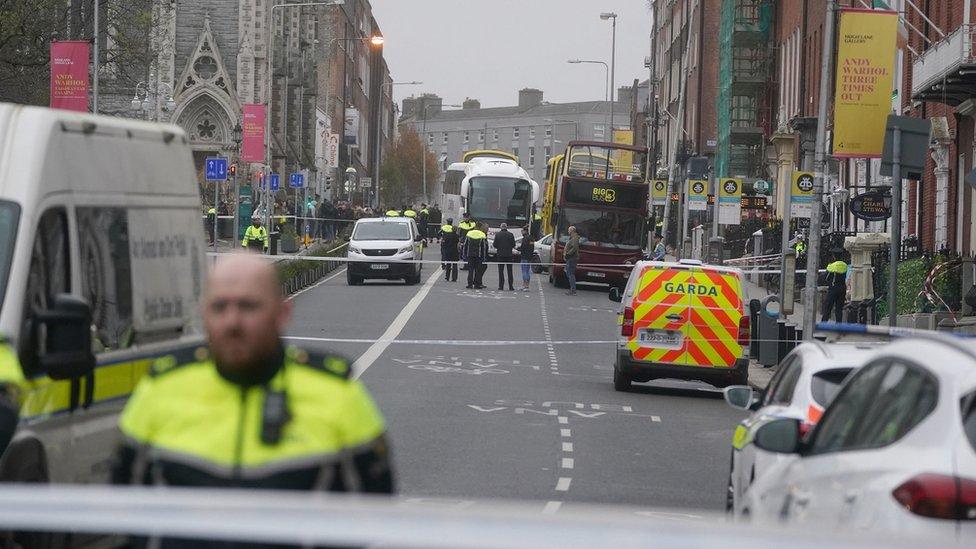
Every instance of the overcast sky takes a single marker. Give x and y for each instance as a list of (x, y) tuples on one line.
[(489, 49)]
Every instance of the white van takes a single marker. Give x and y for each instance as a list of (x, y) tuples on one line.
[(387, 248), (101, 270)]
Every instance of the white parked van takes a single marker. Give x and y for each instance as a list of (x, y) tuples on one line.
[(101, 269)]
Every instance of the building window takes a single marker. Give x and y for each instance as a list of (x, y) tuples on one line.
[(531, 133), (515, 133), (548, 153), (531, 156), (481, 136), (444, 138), (549, 132), (494, 135), (515, 151), (467, 137), (430, 139), (599, 130)]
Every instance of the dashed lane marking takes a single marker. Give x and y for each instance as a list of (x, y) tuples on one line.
[(565, 433), (567, 447), (562, 485), (563, 420), (551, 507), (567, 463)]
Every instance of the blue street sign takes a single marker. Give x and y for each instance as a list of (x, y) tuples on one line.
[(275, 182), (296, 180), (216, 169)]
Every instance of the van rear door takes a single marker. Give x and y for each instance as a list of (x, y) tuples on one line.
[(660, 315), (713, 318)]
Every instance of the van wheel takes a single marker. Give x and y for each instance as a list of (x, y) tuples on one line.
[(25, 461), (741, 376), (621, 381), (352, 279)]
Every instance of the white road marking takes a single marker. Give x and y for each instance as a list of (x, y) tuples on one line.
[(563, 420), (562, 485), (565, 432), (656, 419), (567, 463), (551, 507), (567, 447), (316, 285), (367, 359)]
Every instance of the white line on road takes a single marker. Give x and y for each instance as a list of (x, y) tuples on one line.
[(551, 507), (565, 433), (367, 359), (562, 485), (563, 420), (567, 463), (567, 447)]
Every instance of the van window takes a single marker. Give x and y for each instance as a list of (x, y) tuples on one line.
[(50, 266), (379, 230), (9, 215), (106, 274)]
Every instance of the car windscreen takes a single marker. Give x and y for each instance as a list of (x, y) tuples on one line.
[(379, 230), (9, 214), (825, 385)]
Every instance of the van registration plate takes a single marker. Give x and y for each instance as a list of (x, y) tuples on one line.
[(668, 339), (379, 267), (596, 275)]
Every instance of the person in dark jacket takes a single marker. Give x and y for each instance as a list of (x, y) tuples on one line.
[(475, 250), (837, 287), (504, 243), (450, 253), (571, 253), (435, 220), (526, 256)]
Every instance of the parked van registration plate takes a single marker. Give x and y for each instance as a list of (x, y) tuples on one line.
[(660, 338)]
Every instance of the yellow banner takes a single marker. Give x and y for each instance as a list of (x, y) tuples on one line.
[(624, 160), (866, 50)]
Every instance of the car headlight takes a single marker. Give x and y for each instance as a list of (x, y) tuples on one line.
[(405, 249), (355, 250)]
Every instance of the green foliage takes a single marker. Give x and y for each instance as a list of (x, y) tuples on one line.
[(911, 280), (402, 171), (291, 268)]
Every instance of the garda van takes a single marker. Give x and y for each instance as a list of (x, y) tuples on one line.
[(681, 320), (101, 270)]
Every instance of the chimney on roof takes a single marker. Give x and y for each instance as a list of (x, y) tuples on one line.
[(528, 98), (471, 104), (409, 107), (625, 94)]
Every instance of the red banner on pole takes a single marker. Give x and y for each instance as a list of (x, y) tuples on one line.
[(252, 148), (69, 75)]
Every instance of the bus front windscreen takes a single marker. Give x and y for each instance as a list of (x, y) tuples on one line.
[(602, 228), (9, 215), (500, 199)]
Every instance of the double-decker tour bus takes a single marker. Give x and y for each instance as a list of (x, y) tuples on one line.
[(493, 188), (600, 188)]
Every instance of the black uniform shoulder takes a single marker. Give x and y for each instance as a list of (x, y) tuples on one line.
[(178, 359), (327, 363)]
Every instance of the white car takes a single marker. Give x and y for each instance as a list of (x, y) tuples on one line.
[(543, 254), (804, 384), (387, 248), (895, 452)]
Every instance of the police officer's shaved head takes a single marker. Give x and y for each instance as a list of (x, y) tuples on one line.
[(244, 313)]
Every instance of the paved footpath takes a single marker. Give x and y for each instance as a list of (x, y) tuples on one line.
[(474, 411)]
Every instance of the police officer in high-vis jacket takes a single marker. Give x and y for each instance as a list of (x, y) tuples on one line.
[(249, 411), (11, 386)]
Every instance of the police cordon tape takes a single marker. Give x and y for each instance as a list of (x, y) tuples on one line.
[(484, 343), (380, 259), (239, 516)]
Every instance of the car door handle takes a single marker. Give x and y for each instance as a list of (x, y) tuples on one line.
[(674, 316)]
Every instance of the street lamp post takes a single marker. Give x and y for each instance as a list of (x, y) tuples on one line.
[(150, 100), (378, 134), (613, 63), (238, 139), (606, 81)]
